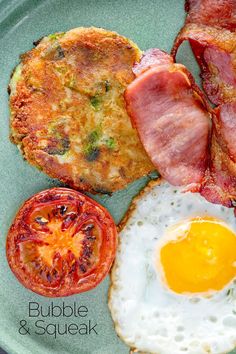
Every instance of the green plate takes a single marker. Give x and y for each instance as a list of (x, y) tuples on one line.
[(150, 23)]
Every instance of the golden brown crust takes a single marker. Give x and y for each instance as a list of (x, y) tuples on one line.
[(68, 113)]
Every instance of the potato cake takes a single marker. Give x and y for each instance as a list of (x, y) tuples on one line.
[(68, 114)]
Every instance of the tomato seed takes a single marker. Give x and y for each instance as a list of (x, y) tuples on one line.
[(88, 227), (41, 220)]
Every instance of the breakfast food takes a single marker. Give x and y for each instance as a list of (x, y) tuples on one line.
[(68, 113), (210, 28), (171, 116), (153, 57), (61, 243), (219, 184), (173, 281), (71, 99)]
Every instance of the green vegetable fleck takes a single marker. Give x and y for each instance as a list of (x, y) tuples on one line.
[(94, 136), (61, 69), (91, 152), (110, 143), (71, 82), (55, 36), (95, 102)]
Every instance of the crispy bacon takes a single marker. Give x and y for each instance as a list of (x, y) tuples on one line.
[(217, 13), (210, 28), (219, 185), (215, 52), (172, 119)]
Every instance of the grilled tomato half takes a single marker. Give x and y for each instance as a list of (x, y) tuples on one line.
[(61, 243)]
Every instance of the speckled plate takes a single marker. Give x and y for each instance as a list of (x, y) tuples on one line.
[(150, 23)]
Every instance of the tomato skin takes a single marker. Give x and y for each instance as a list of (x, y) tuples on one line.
[(61, 243)]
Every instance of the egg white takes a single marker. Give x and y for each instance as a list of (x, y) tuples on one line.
[(147, 315)]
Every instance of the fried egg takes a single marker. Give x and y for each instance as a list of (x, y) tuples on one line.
[(173, 285)]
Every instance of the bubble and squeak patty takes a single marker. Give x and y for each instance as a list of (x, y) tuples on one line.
[(68, 113)]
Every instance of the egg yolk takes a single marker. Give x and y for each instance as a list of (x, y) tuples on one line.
[(201, 258)]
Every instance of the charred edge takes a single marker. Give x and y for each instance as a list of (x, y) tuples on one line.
[(58, 147), (60, 53), (87, 250), (35, 43), (187, 6), (73, 268), (63, 209), (82, 268), (68, 221), (21, 238), (88, 232), (103, 191)]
